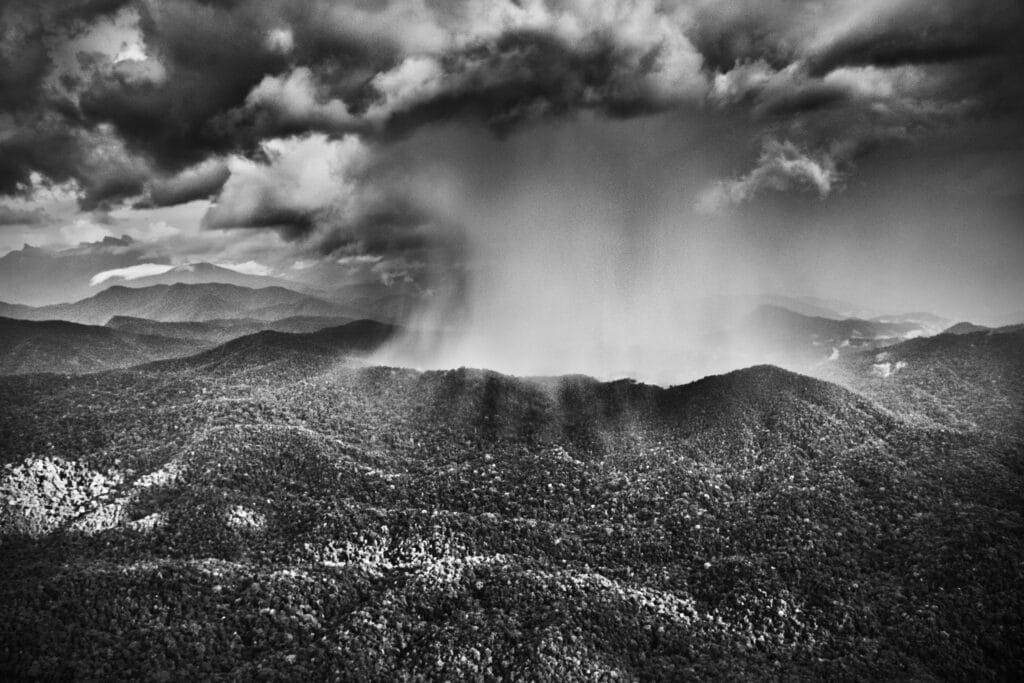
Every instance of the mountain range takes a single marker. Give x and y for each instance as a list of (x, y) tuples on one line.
[(197, 274), (208, 314), (184, 303)]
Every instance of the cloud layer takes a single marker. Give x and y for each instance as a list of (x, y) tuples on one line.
[(123, 96), (286, 116)]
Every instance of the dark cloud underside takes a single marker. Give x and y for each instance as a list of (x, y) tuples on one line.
[(218, 79)]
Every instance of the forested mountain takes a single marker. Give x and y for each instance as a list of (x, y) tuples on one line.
[(220, 331), (183, 303), (312, 517), (968, 381), (62, 347)]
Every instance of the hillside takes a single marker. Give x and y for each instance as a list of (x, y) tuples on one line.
[(966, 381), (965, 328), (63, 347), (223, 330), (783, 337), (307, 517), (185, 303), (296, 352)]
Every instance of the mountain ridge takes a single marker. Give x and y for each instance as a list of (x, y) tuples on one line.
[(59, 346), (183, 303)]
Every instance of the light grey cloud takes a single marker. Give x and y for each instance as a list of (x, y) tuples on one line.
[(781, 167)]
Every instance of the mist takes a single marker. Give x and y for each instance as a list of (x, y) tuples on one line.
[(583, 253), (585, 250)]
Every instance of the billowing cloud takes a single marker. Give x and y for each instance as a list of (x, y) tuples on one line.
[(781, 167), (332, 194), (294, 101), (169, 102), (202, 181), (301, 179)]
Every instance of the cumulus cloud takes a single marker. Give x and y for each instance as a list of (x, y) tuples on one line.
[(296, 102), (300, 179), (781, 167)]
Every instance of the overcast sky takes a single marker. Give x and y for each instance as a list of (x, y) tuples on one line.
[(597, 154)]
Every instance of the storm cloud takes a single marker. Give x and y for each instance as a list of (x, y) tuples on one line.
[(263, 107)]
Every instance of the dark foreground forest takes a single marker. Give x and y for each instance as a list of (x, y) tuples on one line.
[(274, 509)]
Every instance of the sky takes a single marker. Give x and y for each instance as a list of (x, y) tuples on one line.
[(557, 175)]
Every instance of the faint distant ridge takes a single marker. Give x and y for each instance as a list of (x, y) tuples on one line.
[(201, 273), (813, 306), (28, 346), (971, 380), (928, 322), (779, 322), (184, 303), (971, 328)]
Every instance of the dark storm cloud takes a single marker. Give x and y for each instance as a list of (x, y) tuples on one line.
[(199, 182), (730, 33), (212, 57), (23, 57), (391, 230), (926, 33), (291, 223), (223, 76)]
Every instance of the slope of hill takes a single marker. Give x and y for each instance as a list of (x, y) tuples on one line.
[(965, 328), (186, 303), (62, 347), (297, 352), (15, 310), (216, 331), (968, 381), (222, 330)]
